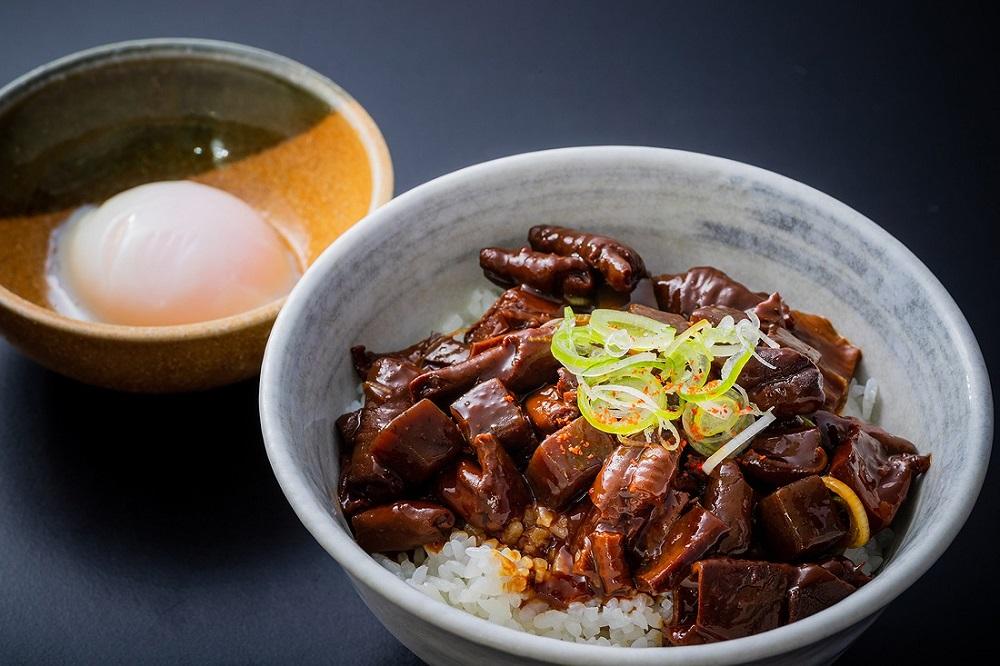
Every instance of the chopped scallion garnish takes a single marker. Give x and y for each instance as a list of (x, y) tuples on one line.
[(638, 375)]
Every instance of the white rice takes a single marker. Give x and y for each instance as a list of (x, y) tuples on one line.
[(484, 579), (479, 301), (861, 398), (872, 555)]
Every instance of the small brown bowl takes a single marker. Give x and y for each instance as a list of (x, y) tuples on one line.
[(287, 140)]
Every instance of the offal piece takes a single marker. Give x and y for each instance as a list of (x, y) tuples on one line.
[(838, 357), (433, 351), (552, 407), (489, 494), (549, 273), (779, 458), (418, 443), (401, 526), (801, 520), (649, 544), (814, 588), (620, 265), (566, 462), (387, 395), (347, 427), (730, 498), (846, 570), (602, 561), (522, 361), (880, 480), (631, 482), (684, 293), (688, 539), (445, 351), (515, 310), (773, 313), (490, 408), (725, 598), (793, 386)]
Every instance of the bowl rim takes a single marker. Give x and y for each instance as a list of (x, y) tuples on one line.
[(241, 55), (900, 573)]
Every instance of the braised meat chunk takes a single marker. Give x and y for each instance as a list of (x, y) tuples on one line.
[(387, 396), (551, 408), (433, 351), (684, 293), (724, 599), (688, 539), (417, 444), (792, 386), (566, 462), (731, 499), (633, 480), (650, 541), (782, 456), (880, 480), (838, 357), (813, 589), (401, 526), (522, 361), (489, 494), (549, 273), (515, 310), (619, 265), (490, 408), (801, 520)]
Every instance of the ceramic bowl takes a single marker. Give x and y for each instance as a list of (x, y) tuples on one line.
[(94, 123), (391, 278)]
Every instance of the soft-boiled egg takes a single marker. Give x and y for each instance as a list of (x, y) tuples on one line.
[(166, 253)]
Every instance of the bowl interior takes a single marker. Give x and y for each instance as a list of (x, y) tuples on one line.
[(289, 142), (390, 280)]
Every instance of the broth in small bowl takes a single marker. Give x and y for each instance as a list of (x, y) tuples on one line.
[(117, 163)]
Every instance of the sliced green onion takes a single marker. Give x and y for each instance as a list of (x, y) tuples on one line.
[(711, 423), (641, 333), (611, 366), (739, 442), (730, 373), (690, 334), (637, 375), (574, 347), (606, 415)]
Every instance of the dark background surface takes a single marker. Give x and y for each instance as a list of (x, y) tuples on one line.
[(151, 529)]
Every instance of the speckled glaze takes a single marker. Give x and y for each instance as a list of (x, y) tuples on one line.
[(393, 276), (191, 356)]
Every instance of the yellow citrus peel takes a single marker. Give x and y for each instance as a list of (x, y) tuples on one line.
[(860, 532)]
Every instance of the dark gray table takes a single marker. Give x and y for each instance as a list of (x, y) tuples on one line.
[(141, 529)]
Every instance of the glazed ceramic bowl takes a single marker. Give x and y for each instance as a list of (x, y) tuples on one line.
[(391, 278), (82, 128)]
